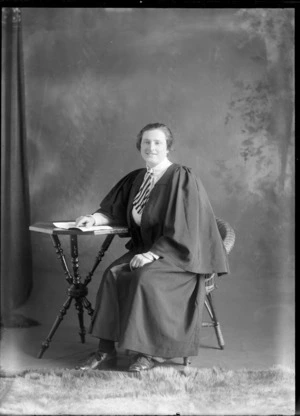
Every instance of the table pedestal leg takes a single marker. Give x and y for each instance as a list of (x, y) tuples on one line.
[(88, 306), (79, 307), (77, 290), (103, 249), (58, 320)]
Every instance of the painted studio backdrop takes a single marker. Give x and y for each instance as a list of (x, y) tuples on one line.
[(222, 80)]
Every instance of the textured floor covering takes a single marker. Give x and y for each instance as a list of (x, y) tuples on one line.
[(162, 390)]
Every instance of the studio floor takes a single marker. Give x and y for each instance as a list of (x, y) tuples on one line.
[(257, 335)]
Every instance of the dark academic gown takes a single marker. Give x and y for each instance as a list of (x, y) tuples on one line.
[(157, 309)]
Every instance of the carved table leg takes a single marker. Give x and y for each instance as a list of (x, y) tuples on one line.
[(78, 290), (88, 306), (103, 249), (61, 257), (58, 320), (75, 260), (66, 305), (79, 307)]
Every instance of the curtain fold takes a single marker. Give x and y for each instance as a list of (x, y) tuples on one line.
[(16, 263)]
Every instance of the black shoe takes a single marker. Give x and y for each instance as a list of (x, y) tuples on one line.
[(99, 360), (142, 363)]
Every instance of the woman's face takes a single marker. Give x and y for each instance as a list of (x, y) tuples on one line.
[(154, 147)]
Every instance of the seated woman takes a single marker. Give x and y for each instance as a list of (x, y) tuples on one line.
[(150, 300)]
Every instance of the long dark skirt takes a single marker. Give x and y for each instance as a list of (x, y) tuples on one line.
[(155, 310)]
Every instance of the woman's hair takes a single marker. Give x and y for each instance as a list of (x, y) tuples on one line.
[(154, 126)]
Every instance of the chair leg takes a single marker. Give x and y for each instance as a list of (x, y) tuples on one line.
[(220, 336), (211, 310), (186, 361), (208, 308)]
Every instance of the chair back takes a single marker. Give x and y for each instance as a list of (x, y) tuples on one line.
[(228, 236)]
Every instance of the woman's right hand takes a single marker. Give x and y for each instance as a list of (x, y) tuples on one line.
[(85, 221)]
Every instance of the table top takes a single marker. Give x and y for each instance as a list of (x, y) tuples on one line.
[(49, 228)]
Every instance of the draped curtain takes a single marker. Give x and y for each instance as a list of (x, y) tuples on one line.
[(16, 268)]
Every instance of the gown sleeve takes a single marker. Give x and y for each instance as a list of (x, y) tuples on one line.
[(114, 205), (190, 238)]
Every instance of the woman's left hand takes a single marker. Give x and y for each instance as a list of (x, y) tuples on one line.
[(139, 261)]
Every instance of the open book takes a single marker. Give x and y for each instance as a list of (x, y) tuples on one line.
[(71, 226)]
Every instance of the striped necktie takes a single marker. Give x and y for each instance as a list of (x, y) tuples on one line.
[(142, 196)]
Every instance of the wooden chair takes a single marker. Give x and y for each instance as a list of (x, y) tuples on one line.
[(228, 237)]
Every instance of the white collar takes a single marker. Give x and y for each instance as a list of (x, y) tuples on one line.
[(162, 166)]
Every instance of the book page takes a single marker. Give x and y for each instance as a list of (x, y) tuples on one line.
[(71, 224)]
